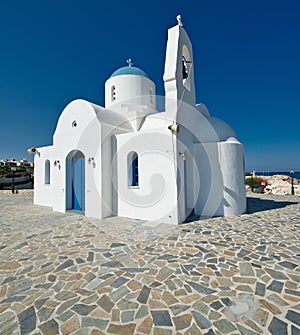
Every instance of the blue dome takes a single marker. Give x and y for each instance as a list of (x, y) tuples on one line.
[(129, 70)]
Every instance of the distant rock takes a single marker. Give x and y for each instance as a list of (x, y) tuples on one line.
[(280, 184)]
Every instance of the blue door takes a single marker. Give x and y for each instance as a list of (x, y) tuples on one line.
[(78, 185)]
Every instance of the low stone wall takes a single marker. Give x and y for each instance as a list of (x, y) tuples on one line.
[(278, 185), (18, 191)]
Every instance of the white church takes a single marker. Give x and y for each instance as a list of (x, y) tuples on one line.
[(127, 159)]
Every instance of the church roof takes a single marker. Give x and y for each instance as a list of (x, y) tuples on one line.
[(131, 70)]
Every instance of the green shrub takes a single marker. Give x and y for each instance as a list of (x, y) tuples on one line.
[(254, 181)]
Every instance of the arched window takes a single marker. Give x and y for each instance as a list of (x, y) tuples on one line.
[(133, 169), (47, 172), (113, 93)]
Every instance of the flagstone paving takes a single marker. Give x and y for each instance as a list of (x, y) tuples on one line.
[(66, 274)]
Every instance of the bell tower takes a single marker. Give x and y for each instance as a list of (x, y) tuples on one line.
[(179, 68)]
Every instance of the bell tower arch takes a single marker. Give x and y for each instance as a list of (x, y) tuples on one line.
[(179, 69)]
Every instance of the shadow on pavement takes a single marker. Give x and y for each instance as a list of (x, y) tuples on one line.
[(258, 205)]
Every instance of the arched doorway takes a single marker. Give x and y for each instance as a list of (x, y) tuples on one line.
[(75, 180)]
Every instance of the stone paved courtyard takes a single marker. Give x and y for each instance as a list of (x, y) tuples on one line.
[(66, 274)]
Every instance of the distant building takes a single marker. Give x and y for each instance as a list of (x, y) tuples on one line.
[(130, 160), (8, 162), (24, 162), (14, 163)]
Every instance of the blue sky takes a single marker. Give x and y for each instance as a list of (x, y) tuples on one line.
[(246, 57)]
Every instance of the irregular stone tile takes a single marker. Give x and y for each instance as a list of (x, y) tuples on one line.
[(164, 274), (190, 298), (246, 269), (227, 302), (64, 265), (254, 326), (201, 307), (117, 244), (126, 304), (171, 285), (277, 300), (146, 326), (119, 293), (288, 265), (90, 257), (83, 309), (135, 270), (65, 295), (260, 289), (112, 264), (168, 298), (194, 330), (182, 322), (246, 280), (295, 330), (134, 285), (244, 288), (293, 292), (224, 281), (94, 284), (121, 329), (27, 320), (106, 303), (161, 318), (216, 305), (213, 316), (12, 265), (261, 317), (4, 307), (206, 271), (201, 321), (144, 295), (200, 288), (177, 309), (20, 287), (65, 316), (277, 326), (96, 332), (57, 287), (119, 282), (209, 298), (90, 299), (293, 317), (224, 326), (155, 304), (94, 322), (67, 304), (70, 326), (3, 291), (276, 274), (275, 286), (127, 316), (44, 313), (49, 328), (79, 260), (290, 298), (272, 308), (83, 292), (41, 272), (245, 331), (180, 292), (6, 318), (142, 312)]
